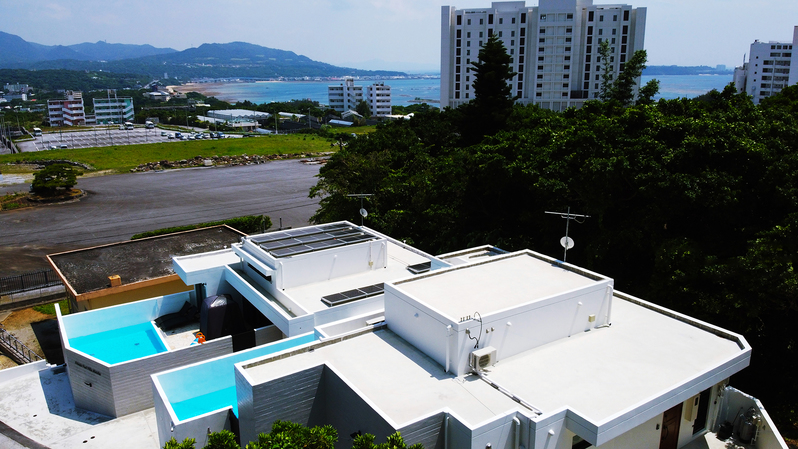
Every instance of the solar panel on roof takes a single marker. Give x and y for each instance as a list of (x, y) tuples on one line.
[(314, 238), (420, 267), (336, 299)]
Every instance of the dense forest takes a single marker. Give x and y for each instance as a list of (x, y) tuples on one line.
[(693, 204)]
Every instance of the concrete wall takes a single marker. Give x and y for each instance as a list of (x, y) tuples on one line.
[(428, 431), (124, 388), (530, 325), (151, 291), (22, 370), (290, 398), (324, 265)]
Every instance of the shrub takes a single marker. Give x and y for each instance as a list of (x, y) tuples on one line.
[(55, 179)]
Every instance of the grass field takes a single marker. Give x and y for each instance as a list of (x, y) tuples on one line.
[(124, 157)]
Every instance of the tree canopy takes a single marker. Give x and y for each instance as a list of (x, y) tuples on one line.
[(55, 179), (694, 204)]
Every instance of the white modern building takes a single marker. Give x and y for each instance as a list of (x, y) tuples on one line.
[(113, 109), (346, 96), (68, 111), (771, 67), (553, 48), (378, 96), (474, 349)]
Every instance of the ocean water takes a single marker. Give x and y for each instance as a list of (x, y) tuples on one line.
[(403, 92)]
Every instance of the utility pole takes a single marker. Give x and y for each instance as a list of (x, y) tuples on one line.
[(566, 241)]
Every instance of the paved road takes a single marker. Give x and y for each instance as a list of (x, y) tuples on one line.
[(122, 205)]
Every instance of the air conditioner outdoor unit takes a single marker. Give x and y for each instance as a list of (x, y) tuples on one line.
[(483, 358)]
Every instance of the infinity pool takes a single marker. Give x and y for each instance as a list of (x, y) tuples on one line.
[(121, 345), (210, 386)]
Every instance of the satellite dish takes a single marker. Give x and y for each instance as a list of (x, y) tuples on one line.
[(567, 242), (363, 213)]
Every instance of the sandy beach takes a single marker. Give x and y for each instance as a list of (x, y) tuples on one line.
[(207, 89)]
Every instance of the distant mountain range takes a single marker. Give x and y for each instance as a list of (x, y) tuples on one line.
[(235, 59)]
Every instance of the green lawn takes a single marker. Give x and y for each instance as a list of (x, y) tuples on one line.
[(124, 157)]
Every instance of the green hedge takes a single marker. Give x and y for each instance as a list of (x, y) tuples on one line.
[(250, 224)]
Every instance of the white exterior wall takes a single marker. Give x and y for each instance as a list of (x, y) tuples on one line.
[(379, 98), (117, 110), (772, 66), (553, 47), (345, 96)]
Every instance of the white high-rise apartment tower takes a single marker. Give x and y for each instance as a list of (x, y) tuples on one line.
[(553, 46), (771, 67)]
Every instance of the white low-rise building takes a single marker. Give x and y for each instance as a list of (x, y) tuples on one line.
[(771, 67), (474, 349), (68, 111), (346, 96), (113, 109)]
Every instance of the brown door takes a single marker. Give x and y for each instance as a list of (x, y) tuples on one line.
[(669, 437)]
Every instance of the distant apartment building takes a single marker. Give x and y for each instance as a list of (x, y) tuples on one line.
[(68, 111), (113, 109), (553, 48), (346, 96), (16, 88), (771, 67)]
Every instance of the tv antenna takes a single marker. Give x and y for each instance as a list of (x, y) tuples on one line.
[(568, 242), (363, 211)]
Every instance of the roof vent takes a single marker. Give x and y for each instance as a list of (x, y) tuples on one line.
[(116, 281), (483, 358)]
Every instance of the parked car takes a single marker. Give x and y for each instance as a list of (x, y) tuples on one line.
[(164, 133)]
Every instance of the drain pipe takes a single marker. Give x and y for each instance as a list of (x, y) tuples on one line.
[(517, 423), (508, 393), (446, 432), (448, 337)]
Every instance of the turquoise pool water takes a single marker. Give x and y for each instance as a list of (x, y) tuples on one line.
[(192, 382), (121, 345)]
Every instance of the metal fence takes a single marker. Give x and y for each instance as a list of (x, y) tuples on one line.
[(17, 348), (28, 281)]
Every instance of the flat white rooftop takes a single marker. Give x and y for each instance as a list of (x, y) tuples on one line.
[(494, 286), (598, 374), (309, 296)]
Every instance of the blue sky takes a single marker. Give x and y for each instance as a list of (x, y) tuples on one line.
[(392, 34)]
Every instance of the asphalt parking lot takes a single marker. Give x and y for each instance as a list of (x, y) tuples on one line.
[(98, 137)]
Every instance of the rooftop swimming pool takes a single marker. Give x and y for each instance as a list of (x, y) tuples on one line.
[(210, 386), (121, 345)]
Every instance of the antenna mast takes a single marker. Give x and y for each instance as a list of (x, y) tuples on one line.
[(566, 241)]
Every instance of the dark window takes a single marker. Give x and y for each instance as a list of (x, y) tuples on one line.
[(541, 49), (623, 48), (623, 58), (457, 95), (466, 94), (501, 20), (624, 39), (589, 40), (587, 67), (540, 77), (542, 31), (469, 21), (590, 16), (520, 67), (523, 18), (520, 86), (520, 77), (513, 21), (457, 78), (490, 19), (626, 15), (482, 21), (589, 49), (625, 29), (621, 66), (490, 33), (540, 67), (458, 42), (601, 32), (601, 18), (457, 69), (459, 34), (456, 86), (567, 49), (566, 76), (540, 58), (542, 40), (587, 85), (458, 51), (615, 18), (457, 61), (521, 50), (569, 17), (521, 41), (589, 31), (566, 67), (587, 58), (459, 20), (523, 32), (539, 85)]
